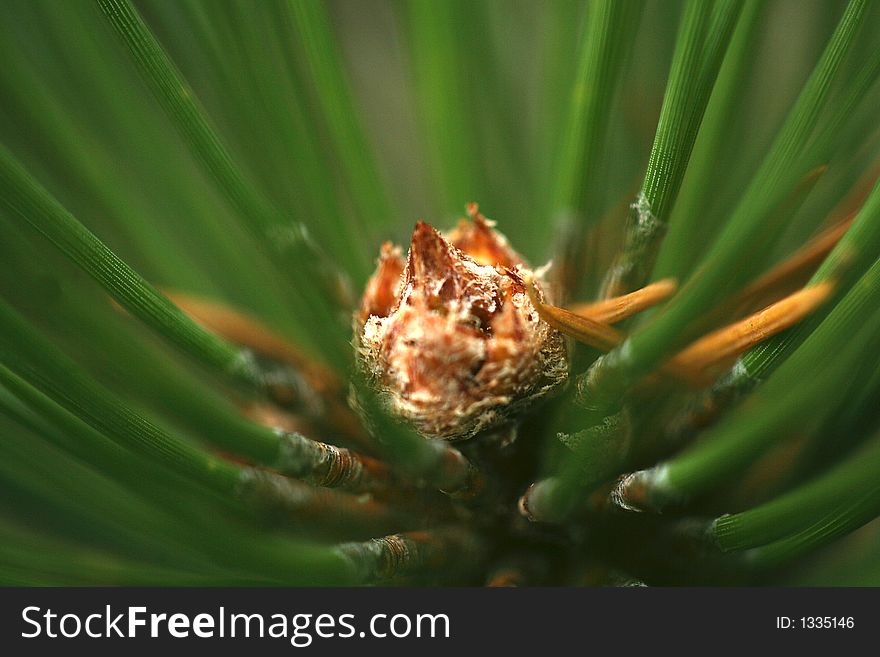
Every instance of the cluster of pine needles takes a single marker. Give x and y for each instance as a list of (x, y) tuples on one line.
[(192, 197)]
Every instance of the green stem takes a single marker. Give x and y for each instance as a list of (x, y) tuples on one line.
[(299, 260), (815, 376), (700, 49), (36, 360), (848, 516), (316, 38), (578, 184), (689, 227), (853, 254), (33, 204), (779, 173), (798, 509)]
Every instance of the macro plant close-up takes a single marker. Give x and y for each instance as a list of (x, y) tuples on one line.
[(439, 292)]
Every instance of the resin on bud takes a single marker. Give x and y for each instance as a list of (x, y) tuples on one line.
[(449, 336)]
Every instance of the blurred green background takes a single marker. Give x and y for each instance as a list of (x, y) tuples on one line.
[(297, 137)]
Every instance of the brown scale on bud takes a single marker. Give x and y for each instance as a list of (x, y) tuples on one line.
[(449, 335)]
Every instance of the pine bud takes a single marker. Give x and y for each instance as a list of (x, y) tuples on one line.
[(449, 336)]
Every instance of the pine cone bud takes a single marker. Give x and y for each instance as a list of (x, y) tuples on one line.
[(449, 336)]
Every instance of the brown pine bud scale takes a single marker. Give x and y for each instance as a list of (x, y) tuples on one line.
[(450, 337)]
